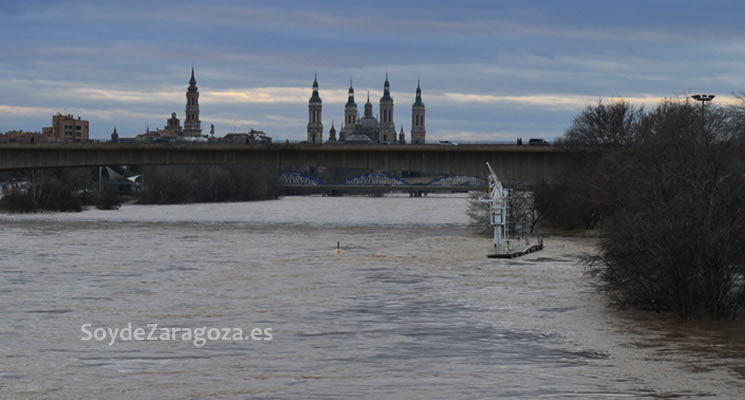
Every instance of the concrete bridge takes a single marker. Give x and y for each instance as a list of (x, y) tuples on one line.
[(513, 164)]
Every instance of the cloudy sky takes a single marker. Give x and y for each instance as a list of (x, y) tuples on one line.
[(490, 70)]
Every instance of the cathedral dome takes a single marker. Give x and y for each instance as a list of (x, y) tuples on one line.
[(368, 123), (358, 139)]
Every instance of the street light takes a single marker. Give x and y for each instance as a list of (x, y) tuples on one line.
[(703, 98)]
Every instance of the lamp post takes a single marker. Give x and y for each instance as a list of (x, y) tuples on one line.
[(703, 98)]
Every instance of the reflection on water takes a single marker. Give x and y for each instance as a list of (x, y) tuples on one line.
[(412, 308)]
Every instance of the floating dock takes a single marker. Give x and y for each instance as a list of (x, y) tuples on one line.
[(518, 253)]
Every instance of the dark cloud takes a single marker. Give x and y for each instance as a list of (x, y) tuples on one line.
[(483, 49)]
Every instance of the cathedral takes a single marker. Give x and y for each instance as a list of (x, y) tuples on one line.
[(366, 129)]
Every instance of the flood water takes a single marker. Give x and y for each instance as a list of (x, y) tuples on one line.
[(410, 309)]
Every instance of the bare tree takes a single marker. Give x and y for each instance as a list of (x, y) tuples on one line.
[(50, 190), (617, 123), (523, 212), (478, 214), (675, 201)]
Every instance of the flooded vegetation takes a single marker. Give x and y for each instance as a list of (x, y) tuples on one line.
[(666, 186)]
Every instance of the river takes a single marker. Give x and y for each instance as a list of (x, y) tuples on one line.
[(410, 309)]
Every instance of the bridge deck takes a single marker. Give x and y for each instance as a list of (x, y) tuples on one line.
[(391, 188), (512, 163)]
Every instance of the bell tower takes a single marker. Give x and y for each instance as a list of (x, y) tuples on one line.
[(418, 132), (350, 115), (315, 126), (192, 124), (387, 129)]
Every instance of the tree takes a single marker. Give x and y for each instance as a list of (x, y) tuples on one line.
[(523, 215), (675, 201), (50, 190), (522, 211), (614, 124), (216, 183), (478, 214), (587, 182)]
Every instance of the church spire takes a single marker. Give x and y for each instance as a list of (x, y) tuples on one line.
[(114, 136), (315, 98), (350, 100), (386, 89), (192, 81), (332, 133), (368, 107), (418, 101)]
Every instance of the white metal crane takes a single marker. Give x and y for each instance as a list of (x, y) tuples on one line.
[(497, 199)]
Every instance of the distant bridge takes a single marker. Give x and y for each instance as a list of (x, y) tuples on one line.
[(384, 182), (380, 179), (512, 163)]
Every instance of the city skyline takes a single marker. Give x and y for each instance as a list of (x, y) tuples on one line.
[(489, 70)]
